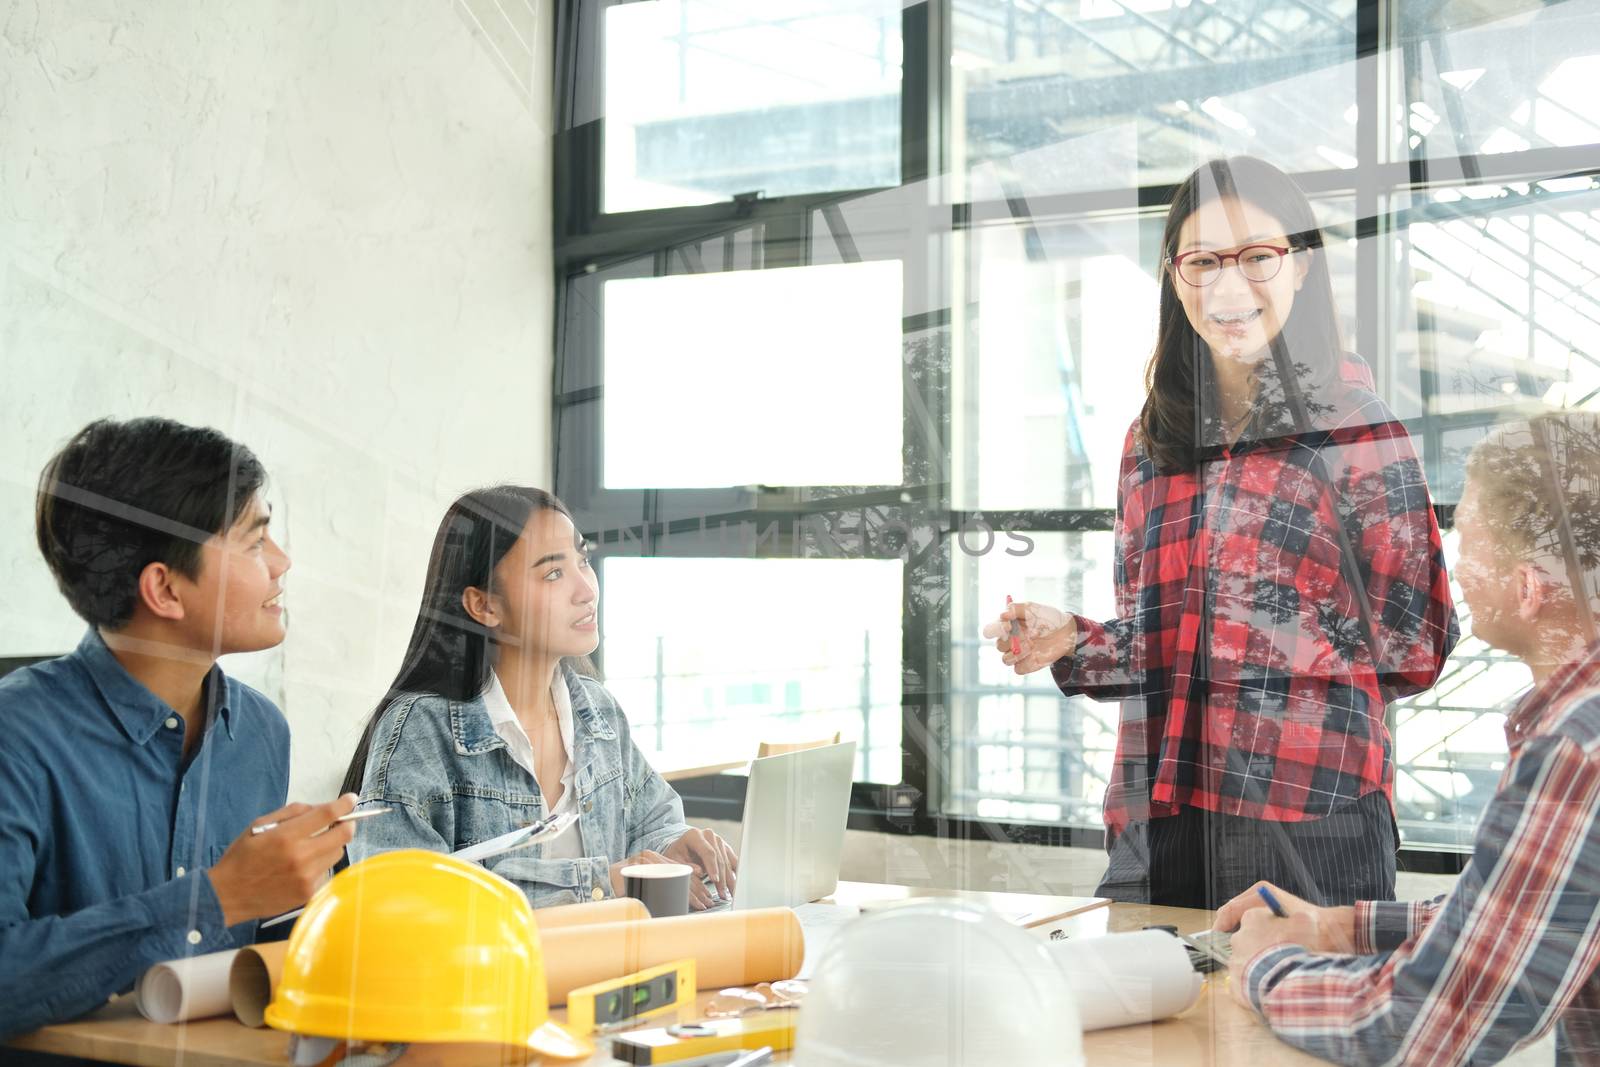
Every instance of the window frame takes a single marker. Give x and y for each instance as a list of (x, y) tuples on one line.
[(673, 521)]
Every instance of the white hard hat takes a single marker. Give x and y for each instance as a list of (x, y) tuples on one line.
[(937, 983)]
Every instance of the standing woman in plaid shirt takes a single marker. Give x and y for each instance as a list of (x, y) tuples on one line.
[(1279, 576)]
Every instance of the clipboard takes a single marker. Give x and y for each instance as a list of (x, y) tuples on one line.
[(546, 829)]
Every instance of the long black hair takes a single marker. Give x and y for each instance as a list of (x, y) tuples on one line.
[(450, 653), (1181, 410)]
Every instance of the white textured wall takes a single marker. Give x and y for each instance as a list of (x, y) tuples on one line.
[(320, 227)]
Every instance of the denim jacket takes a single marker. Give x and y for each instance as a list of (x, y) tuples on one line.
[(453, 782)]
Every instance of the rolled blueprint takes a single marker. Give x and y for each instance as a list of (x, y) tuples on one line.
[(179, 990), (729, 948), (615, 910), (1121, 979), (254, 976)]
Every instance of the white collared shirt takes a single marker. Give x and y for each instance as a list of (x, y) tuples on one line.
[(506, 724)]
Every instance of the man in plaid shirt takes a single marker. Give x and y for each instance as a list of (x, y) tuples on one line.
[(1512, 950)]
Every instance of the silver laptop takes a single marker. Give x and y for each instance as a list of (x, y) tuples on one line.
[(794, 817)]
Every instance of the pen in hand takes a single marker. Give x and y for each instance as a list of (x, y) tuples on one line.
[(1016, 631), (354, 816), (1272, 902)]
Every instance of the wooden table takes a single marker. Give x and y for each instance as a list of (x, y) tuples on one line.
[(1216, 1032)]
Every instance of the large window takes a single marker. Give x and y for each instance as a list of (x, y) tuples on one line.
[(710, 673), (687, 388), (709, 99), (1102, 96), (856, 300)]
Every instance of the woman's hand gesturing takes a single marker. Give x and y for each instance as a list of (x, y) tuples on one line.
[(1043, 636)]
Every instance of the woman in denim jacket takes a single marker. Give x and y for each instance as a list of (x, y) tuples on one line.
[(489, 727)]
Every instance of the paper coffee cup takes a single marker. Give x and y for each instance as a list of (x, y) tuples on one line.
[(663, 888)]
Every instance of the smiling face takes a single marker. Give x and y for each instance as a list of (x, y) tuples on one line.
[(234, 602), (545, 597), (1237, 317)]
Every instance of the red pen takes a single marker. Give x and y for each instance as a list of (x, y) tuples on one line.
[(1016, 629)]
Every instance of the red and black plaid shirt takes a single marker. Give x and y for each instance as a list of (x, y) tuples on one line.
[(1249, 684)]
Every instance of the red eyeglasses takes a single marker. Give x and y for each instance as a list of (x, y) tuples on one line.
[(1258, 263)]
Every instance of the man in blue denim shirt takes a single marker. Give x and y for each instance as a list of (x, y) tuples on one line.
[(133, 767)]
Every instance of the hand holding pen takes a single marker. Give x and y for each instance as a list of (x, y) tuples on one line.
[(1030, 637), (354, 816), (1016, 630), (265, 874), (1265, 915), (1264, 891)]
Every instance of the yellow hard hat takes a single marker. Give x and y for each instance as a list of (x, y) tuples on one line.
[(417, 946)]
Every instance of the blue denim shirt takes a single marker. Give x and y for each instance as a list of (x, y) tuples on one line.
[(441, 763), (104, 833)]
